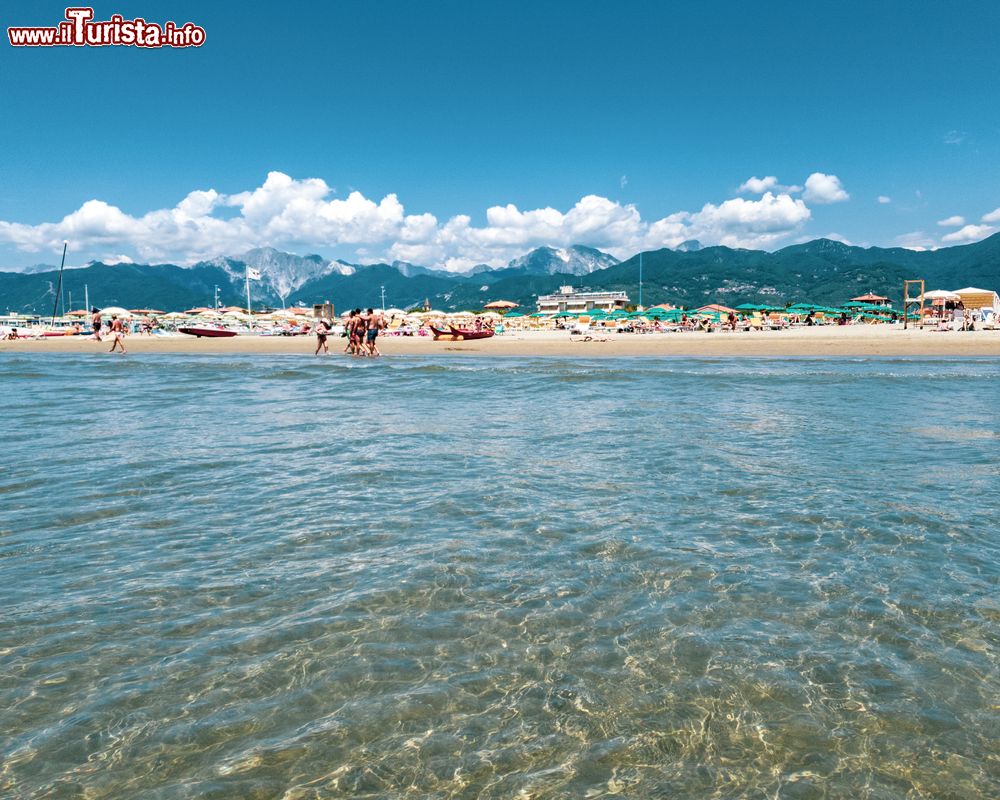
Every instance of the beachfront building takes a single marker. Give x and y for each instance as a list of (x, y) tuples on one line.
[(872, 298), (580, 301)]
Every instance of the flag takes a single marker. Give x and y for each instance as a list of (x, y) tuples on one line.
[(253, 274)]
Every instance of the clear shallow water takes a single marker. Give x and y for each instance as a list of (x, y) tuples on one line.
[(299, 578)]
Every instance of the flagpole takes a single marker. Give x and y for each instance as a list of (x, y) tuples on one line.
[(249, 311), (640, 280)]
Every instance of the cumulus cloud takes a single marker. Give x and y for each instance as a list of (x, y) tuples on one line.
[(884, 200), (757, 185), (952, 222), (993, 216), (970, 233), (295, 214), (770, 183), (739, 222), (822, 188)]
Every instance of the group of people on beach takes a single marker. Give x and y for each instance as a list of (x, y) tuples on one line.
[(361, 330)]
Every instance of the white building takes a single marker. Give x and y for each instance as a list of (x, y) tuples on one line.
[(580, 301)]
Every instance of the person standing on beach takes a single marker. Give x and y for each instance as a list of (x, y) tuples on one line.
[(376, 322), (95, 321), (349, 332), (358, 333), (322, 331), (118, 331)]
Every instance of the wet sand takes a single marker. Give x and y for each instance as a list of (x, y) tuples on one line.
[(850, 341)]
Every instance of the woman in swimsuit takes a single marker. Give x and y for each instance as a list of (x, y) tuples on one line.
[(118, 331), (322, 331)]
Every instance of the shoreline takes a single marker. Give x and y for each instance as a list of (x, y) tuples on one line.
[(817, 342)]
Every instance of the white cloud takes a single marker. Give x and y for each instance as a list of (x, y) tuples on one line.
[(970, 233), (915, 240), (836, 237), (305, 215), (757, 185), (993, 216), (822, 188), (954, 137), (623, 181), (883, 200), (952, 222), (115, 258), (744, 223), (770, 183)]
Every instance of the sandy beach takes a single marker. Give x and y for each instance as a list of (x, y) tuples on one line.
[(831, 341)]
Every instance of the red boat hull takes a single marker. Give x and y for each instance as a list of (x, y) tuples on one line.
[(210, 332), (460, 334)]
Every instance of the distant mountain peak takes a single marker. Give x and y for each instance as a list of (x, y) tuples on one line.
[(282, 272), (574, 260)]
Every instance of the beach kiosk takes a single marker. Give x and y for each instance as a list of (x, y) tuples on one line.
[(323, 310)]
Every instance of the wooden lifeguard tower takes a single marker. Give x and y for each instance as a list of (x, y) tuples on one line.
[(917, 302)]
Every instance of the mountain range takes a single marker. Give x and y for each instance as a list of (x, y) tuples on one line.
[(820, 271)]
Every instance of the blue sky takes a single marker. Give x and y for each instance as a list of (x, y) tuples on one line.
[(622, 125)]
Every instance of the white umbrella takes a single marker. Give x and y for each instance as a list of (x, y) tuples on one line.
[(940, 294), (115, 311)]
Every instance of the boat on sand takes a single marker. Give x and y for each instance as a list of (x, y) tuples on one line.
[(461, 334), (205, 330)]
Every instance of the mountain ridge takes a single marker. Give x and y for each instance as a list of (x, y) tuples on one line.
[(822, 270)]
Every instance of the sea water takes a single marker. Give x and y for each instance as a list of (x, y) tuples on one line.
[(296, 577)]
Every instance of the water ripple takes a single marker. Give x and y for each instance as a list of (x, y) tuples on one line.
[(301, 578)]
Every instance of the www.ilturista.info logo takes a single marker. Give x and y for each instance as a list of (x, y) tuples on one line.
[(79, 30)]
